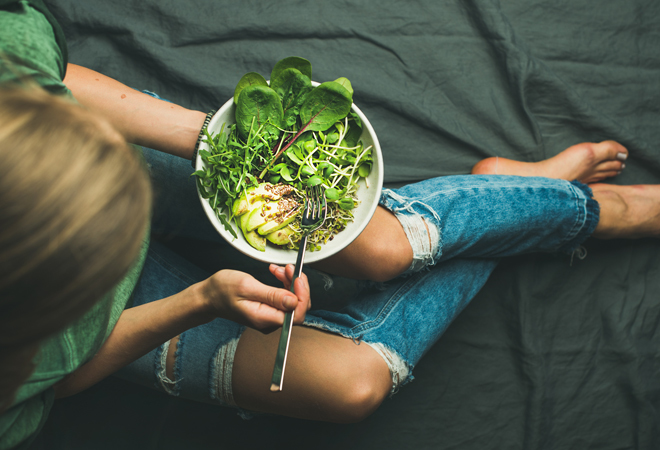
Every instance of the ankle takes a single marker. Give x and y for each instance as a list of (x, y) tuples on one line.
[(613, 214)]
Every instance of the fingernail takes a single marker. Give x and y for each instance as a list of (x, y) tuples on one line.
[(623, 166), (621, 156)]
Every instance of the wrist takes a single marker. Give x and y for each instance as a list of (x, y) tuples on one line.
[(200, 302), (200, 137)]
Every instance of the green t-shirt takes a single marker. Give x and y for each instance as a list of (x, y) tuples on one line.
[(31, 45)]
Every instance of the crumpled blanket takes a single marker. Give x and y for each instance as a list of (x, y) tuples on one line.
[(555, 352)]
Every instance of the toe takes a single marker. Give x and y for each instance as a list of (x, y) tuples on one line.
[(611, 150), (486, 166), (611, 166)]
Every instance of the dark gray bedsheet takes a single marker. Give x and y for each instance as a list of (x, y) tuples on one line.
[(553, 353)]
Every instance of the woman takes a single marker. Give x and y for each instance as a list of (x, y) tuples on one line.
[(176, 322)]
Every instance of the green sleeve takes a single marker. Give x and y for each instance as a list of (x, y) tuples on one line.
[(18, 424), (57, 29), (29, 47)]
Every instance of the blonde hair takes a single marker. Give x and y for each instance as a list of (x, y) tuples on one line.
[(74, 208)]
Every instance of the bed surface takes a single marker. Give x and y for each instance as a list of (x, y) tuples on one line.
[(554, 352)]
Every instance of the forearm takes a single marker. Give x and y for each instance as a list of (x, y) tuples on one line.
[(141, 118), (138, 331), (229, 294)]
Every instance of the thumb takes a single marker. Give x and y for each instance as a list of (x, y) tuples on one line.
[(279, 298)]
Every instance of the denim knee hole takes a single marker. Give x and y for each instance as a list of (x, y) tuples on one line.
[(169, 386), (221, 373), (399, 370), (424, 238)]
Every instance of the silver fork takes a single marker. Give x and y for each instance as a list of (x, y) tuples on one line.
[(312, 219)]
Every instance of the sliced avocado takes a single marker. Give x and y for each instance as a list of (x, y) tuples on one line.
[(240, 206), (272, 215), (261, 215), (243, 218), (281, 236), (247, 199), (279, 222), (264, 191), (255, 240), (252, 237), (259, 206)]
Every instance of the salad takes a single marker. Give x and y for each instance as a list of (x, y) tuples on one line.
[(288, 134)]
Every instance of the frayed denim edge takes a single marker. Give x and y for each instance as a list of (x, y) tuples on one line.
[(400, 370), (222, 364), (220, 382), (591, 214), (171, 387), (423, 232)]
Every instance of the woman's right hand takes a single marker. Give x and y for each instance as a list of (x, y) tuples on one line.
[(239, 297), (228, 294)]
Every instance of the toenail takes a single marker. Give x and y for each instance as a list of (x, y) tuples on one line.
[(621, 156)]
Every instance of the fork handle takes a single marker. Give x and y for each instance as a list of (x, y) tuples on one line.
[(299, 261), (285, 336)]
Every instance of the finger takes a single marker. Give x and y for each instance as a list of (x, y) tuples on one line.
[(280, 273), (282, 299), (265, 318), (275, 297), (276, 269), (301, 288), (289, 269)]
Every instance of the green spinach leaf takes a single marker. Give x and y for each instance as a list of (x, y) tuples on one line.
[(249, 79), (326, 104), (346, 83), (292, 87), (292, 62), (259, 107)]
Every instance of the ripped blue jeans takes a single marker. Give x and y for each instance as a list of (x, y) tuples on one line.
[(458, 226)]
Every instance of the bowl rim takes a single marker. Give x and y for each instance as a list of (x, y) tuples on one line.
[(285, 256)]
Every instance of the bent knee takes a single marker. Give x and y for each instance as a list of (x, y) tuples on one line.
[(362, 398), (388, 261), (366, 382)]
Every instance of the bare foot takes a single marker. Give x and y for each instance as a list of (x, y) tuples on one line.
[(627, 211), (587, 162)]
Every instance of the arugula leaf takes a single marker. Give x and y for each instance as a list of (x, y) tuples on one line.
[(226, 223)]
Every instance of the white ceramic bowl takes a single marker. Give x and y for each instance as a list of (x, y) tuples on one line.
[(368, 198)]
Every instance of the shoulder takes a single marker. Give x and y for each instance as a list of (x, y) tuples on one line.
[(30, 46)]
